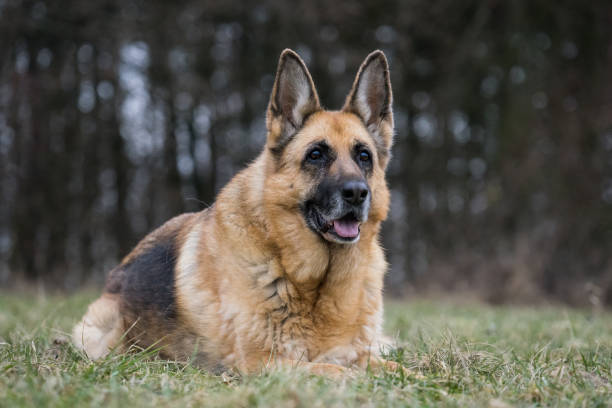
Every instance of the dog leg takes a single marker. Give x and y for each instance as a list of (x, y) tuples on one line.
[(380, 364), (332, 371), (101, 328)]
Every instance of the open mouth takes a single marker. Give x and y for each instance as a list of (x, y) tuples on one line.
[(345, 229)]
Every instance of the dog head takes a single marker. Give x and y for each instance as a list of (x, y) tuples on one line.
[(329, 166)]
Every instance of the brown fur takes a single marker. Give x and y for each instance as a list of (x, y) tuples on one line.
[(251, 285)]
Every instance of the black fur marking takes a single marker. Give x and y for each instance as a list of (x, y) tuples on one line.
[(115, 279), (327, 204), (366, 167), (313, 218), (318, 168), (148, 283)]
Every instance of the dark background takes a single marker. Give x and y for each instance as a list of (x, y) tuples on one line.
[(117, 115)]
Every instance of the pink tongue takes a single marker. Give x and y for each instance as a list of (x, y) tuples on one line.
[(346, 229)]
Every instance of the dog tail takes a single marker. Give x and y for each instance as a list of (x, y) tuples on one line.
[(101, 329)]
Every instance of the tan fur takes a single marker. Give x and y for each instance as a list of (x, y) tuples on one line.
[(101, 327), (254, 286)]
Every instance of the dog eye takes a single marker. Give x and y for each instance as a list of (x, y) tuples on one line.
[(364, 156), (315, 154)]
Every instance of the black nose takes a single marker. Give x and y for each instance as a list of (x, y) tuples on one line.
[(354, 192)]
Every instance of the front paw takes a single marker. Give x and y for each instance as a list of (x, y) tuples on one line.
[(333, 371), (381, 365), (342, 355)]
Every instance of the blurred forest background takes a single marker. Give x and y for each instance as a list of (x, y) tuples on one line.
[(117, 115)]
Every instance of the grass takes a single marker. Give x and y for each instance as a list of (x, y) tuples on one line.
[(462, 354)]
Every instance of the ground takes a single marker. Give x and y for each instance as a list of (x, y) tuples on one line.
[(459, 353)]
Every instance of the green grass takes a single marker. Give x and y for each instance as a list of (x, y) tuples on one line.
[(461, 354)]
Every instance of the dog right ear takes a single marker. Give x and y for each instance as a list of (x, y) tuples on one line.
[(293, 99)]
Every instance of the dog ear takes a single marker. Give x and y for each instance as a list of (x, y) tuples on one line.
[(293, 99), (371, 99)]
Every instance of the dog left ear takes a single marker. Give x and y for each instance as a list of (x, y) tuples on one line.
[(371, 99), (293, 99)]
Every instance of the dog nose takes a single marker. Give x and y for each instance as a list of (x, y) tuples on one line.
[(354, 192)]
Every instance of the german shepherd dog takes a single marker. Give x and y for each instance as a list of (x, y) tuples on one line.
[(285, 269)]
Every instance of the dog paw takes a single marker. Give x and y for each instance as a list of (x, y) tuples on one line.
[(392, 366), (332, 371)]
